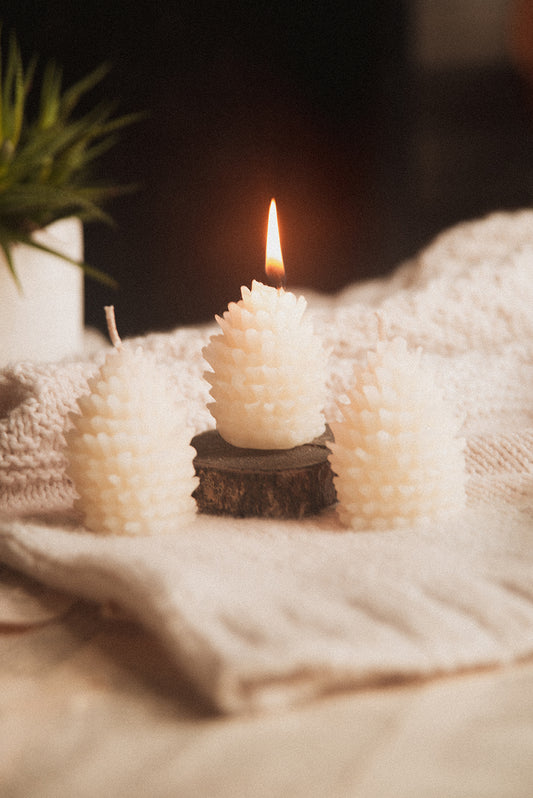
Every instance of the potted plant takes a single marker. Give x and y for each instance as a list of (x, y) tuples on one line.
[(46, 195)]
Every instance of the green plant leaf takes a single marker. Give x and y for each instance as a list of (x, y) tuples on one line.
[(50, 97), (5, 246), (72, 96)]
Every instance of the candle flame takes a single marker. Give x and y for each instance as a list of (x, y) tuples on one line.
[(274, 259)]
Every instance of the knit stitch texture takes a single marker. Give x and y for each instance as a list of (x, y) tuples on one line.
[(260, 613)]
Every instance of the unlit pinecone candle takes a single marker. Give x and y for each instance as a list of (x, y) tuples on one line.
[(397, 456), (268, 366), (128, 451)]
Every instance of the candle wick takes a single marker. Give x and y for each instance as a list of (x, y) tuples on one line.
[(281, 279), (112, 326)]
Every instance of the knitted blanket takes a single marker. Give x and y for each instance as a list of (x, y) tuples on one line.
[(259, 613)]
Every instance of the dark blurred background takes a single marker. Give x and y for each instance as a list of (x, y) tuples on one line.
[(374, 123)]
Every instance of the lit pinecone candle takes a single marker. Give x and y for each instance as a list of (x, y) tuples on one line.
[(268, 367), (267, 456), (128, 450), (397, 459)]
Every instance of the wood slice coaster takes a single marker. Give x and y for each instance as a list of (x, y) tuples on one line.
[(267, 483)]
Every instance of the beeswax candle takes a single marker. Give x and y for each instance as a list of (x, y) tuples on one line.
[(396, 457), (268, 366), (128, 449)]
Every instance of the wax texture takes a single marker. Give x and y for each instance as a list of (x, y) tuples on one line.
[(128, 450), (268, 371), (397, 456)]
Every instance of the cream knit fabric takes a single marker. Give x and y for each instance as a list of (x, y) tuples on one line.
[(260, 613)]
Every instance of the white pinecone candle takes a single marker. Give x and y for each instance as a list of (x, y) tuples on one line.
[(396, 457), (128, 450), (268, 371)]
